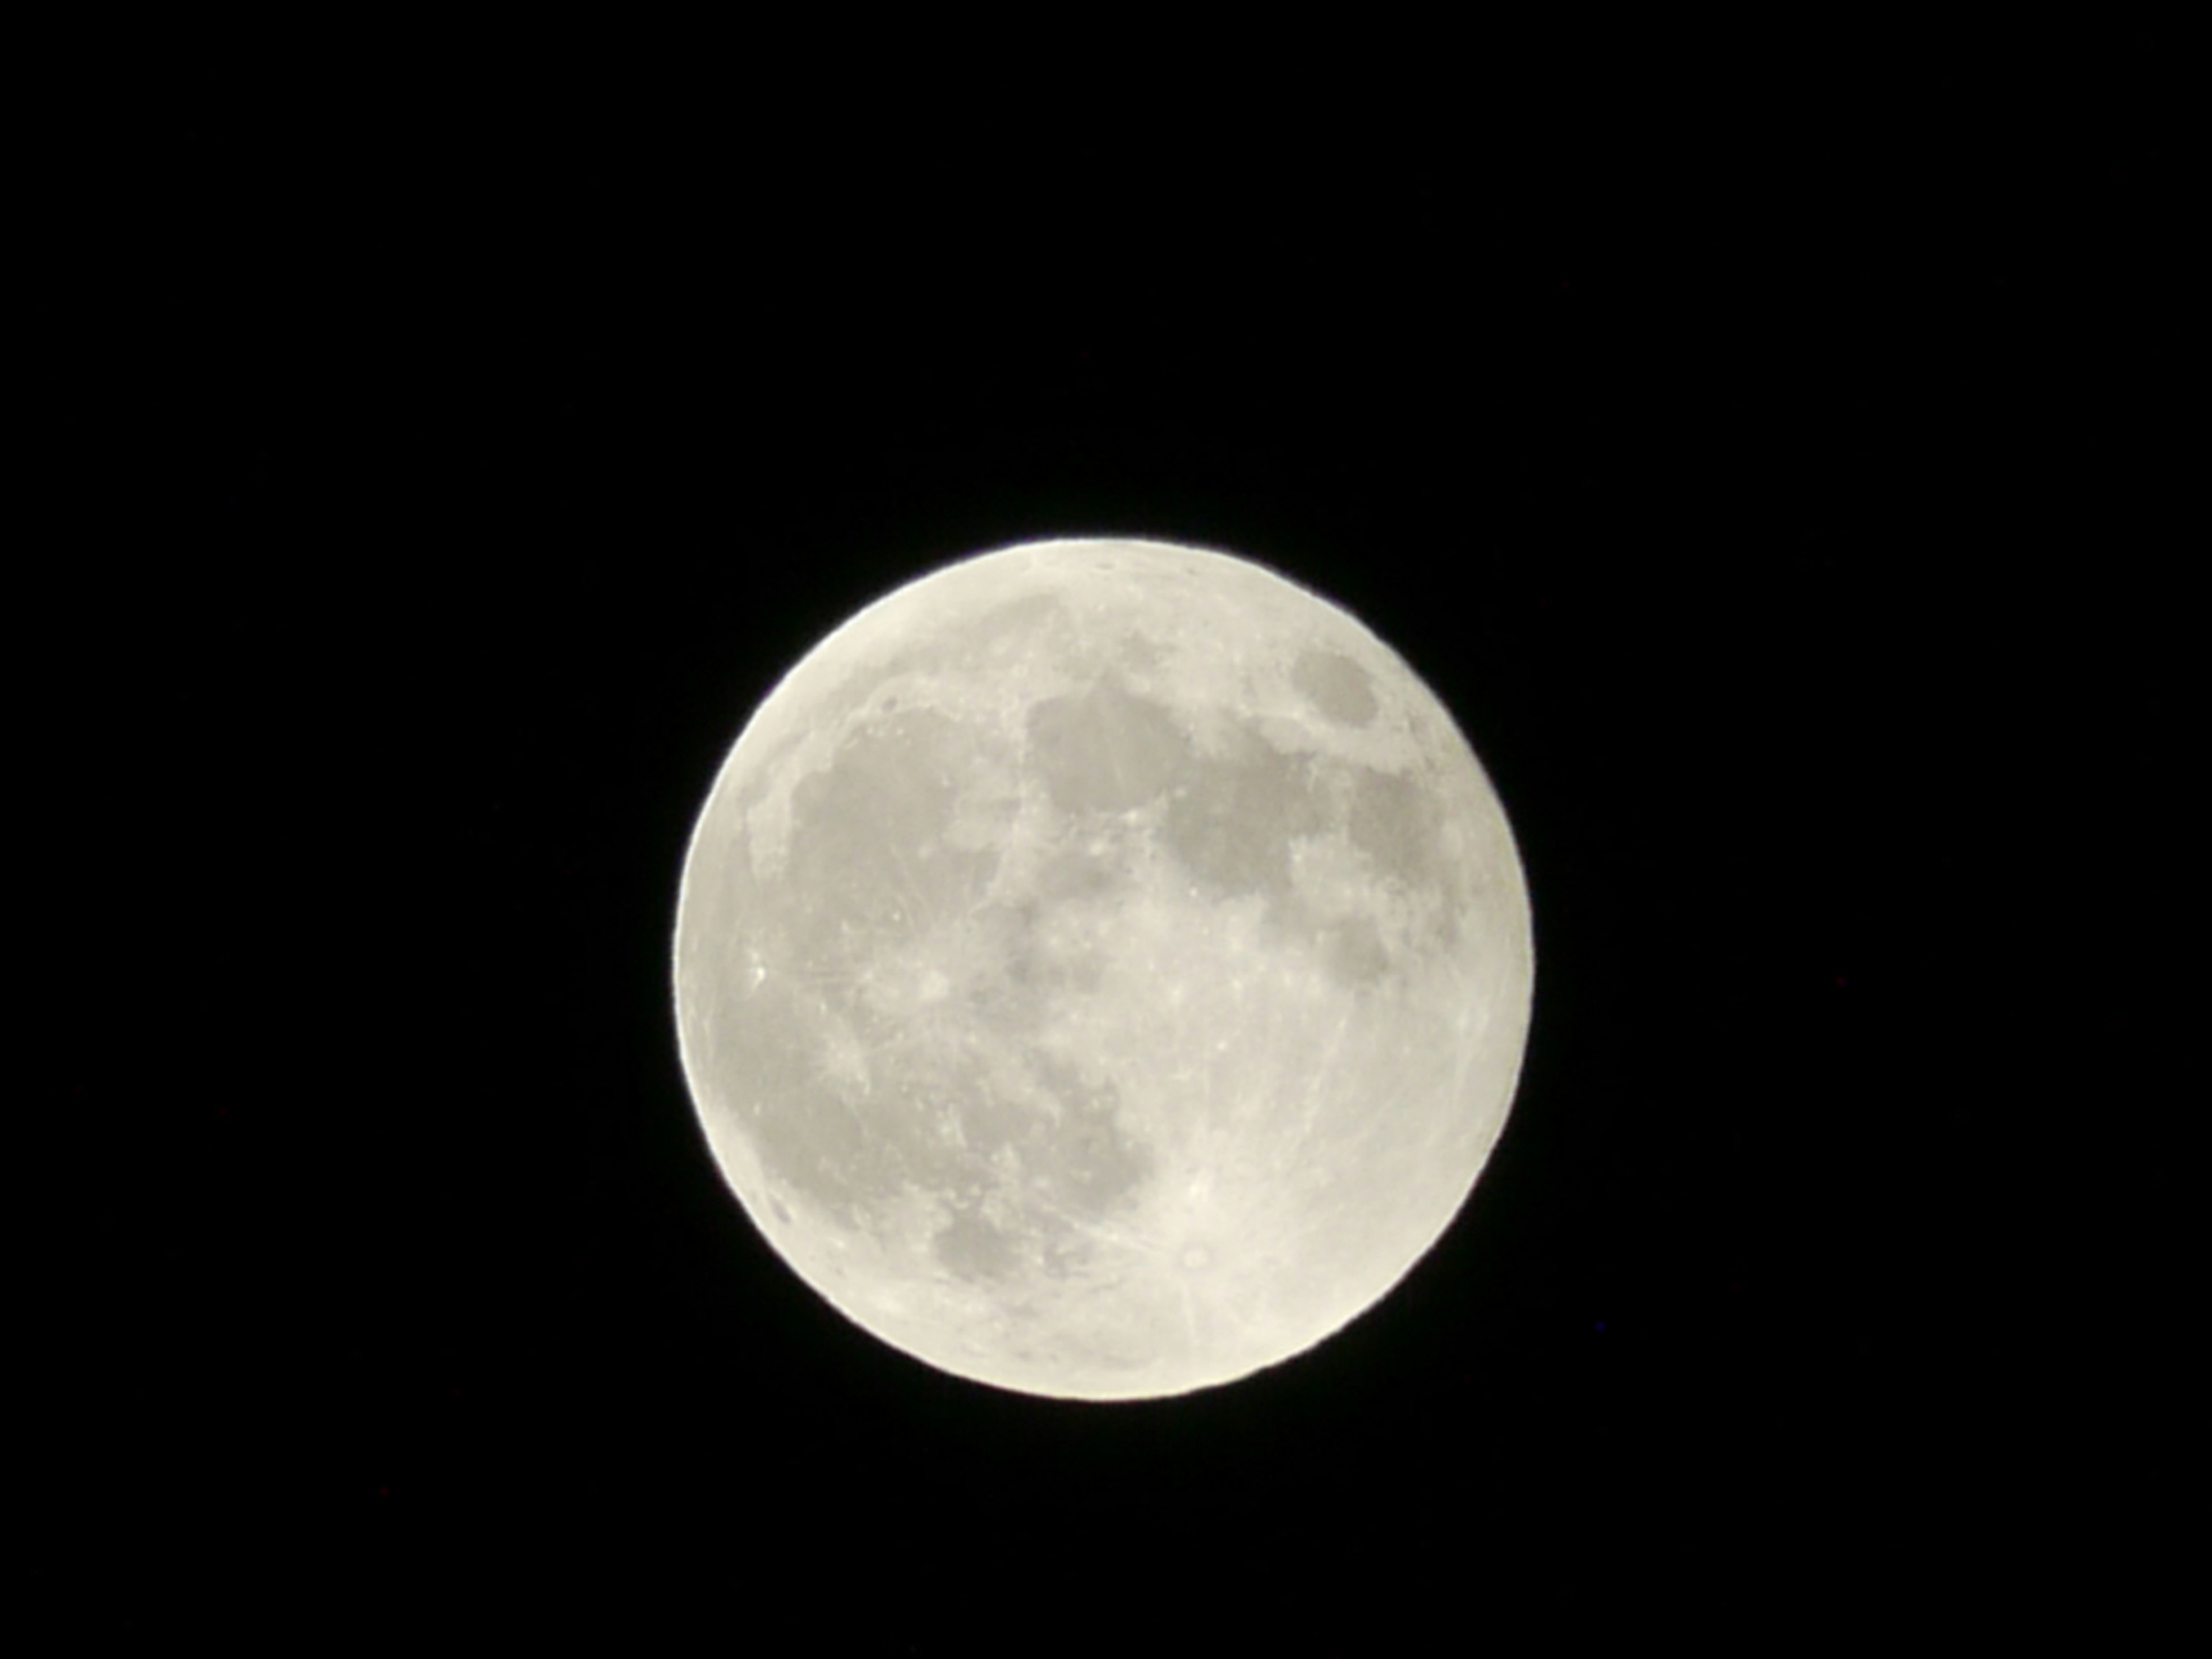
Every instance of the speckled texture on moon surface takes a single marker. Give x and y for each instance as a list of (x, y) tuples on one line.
[(1102, 968)]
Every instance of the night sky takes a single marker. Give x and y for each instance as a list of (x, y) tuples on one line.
[(1781, 522)]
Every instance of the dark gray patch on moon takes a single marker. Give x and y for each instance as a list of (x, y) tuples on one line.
[(1392, 820), (1337, 686), (1103, 750), (1074, 875), (1396, 820), (1137, 652), (1231, 822), (973, 1249), (1087, 1162), (1353, 952), (866, 847), (989, 1121)]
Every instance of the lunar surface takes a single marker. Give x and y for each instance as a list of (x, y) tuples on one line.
[(1102, 968)]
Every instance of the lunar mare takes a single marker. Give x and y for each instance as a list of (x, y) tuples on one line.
[(1102, 968)]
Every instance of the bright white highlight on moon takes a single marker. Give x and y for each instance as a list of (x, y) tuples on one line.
[(1102, 968)]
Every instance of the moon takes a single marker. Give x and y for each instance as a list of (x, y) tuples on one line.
[(1102, 968)]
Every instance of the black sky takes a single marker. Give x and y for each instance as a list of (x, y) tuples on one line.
[(1780, 522)]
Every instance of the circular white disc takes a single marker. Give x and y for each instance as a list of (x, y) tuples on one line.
[(1102, 968)]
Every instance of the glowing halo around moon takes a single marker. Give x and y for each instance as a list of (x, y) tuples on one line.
[(1102, 968)]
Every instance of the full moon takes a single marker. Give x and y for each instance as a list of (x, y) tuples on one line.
[(1102, 968)]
